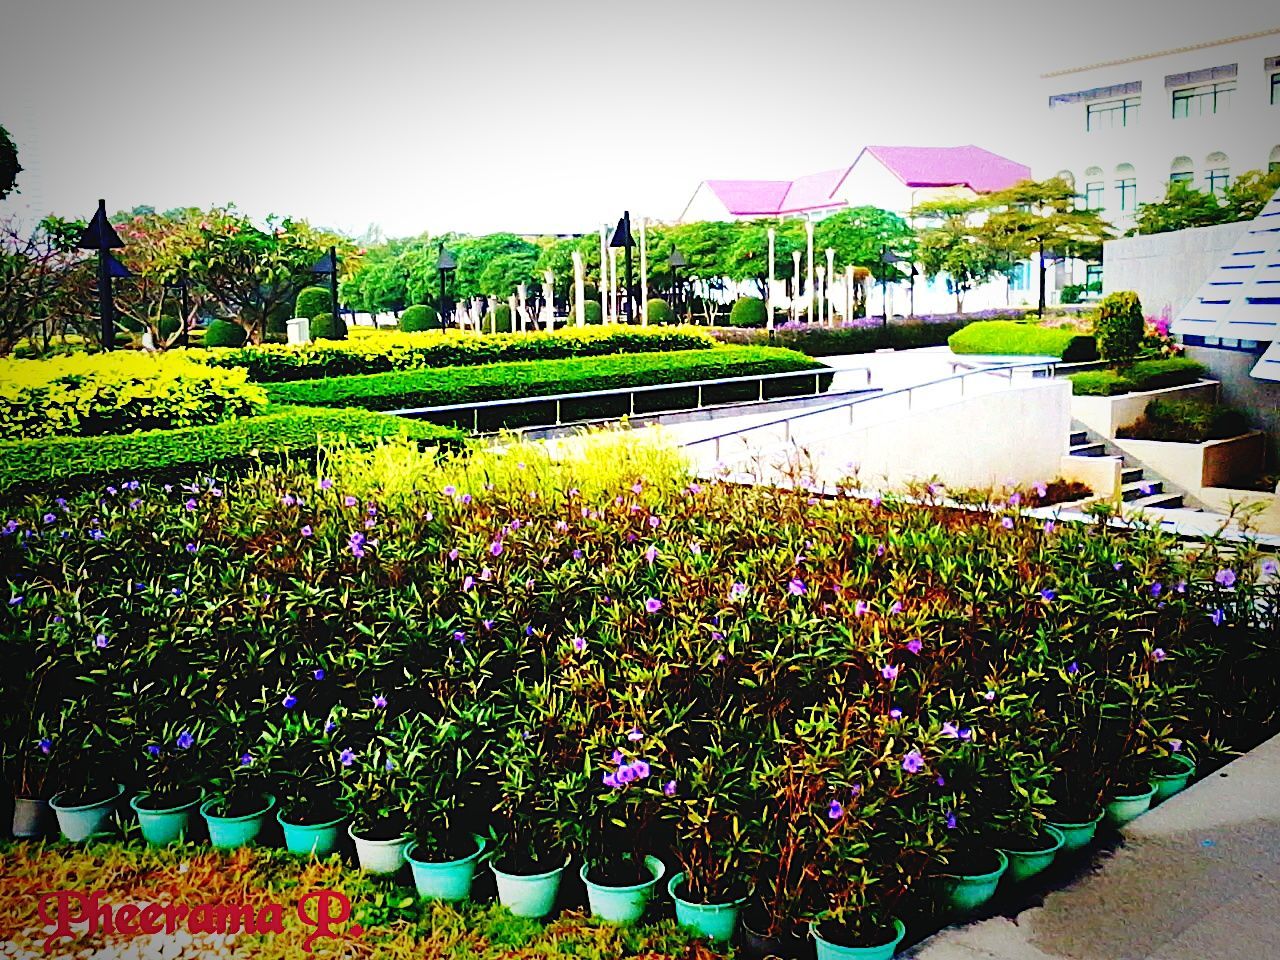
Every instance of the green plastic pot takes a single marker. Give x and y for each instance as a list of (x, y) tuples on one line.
[(228, 833), (1123, 809), (1077, 836), (79, 822), (715, 921), (313, 839), (1167, 784), (448, 880), (530, 895), (1027, 863), (967, 892), (834, 951), (382, 858), (623, 904), (164, 825)]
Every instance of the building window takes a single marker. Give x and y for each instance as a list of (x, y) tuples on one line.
[(1112, 113), (1202, 100), (1093, 277), (1020, 276), (1275, 89), (1093, 195), (1273, 161), (1183, 177), (1217, 180), (1127, 187)]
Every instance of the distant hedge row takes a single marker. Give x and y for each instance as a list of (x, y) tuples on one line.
[(71, 461), (1143, 375), (383, 351), (817, 341)]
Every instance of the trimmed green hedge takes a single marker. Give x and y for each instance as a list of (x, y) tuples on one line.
[(418, 318), (660, 312), (327, 326), (224, 333), (1010, 338), (427, 388), (1143, 375), (312, 301), (818, 341), (748, 312), (30, 464)]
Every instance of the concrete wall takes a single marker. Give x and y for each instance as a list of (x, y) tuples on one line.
[(1106, 415), (1166, 269), (1260, 399), (1191, 466)]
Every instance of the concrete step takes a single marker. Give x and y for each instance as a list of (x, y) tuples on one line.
[(1140, 488), (1078, 437), (1170, 501), (1088, 450), (1131, 474)]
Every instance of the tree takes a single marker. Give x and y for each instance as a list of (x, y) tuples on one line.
[(9, 165), (479, 276), (748, 256), (45, 283), (860, 233), (1040, 217), (1182, 207), (1245, 197), (158, 249), (950, 243), (706, 246)]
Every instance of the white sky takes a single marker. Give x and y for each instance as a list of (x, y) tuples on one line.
[(527, 115)]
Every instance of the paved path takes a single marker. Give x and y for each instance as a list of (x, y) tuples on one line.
[(1198, 878)]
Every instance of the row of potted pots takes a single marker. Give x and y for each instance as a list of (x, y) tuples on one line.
[(968, 892)]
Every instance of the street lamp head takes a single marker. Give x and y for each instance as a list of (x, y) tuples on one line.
[(100, 234), (622, 233), (326, 264), (888, 256), (445, 261), (676, 259)]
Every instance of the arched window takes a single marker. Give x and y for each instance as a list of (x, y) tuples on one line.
[(1127, 187), (1273, 161), (1217, 172), (1067, 177), (1093, 188), (1182, 170)]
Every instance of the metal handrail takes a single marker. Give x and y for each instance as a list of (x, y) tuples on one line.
[(477, 406), (1050, 365)]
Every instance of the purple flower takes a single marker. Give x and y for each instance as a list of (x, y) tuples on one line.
[(1048, 595), (861, 608), (654, 522), (651, 554), (1156, 588), (289, 701), (737, 591), (380, 702), (889, 671), (58, 618), (611, 780), (1073, 668), (796, 587), (1158, 654), (1218, 616), (914, 646), (45, 745), (895, 713), (101, 641), (460, 636), (153, 749), (349, 501), (468, 582), (390, 764), (449, 490), (288, 500), (330, 726), (989, 696), (347, 757), (669, 788), (190, 504), (1225, 577), (949, 729), (50, 518), (634, 735), (835, 811), (16, 600), (306, 530), (913, 762), (1175, 745), (951, 820), (579, 644), (495, 548), (246, 759), (356, 544), (326, 484), (653, 605), (453, 554), (1015, 499), (641, 769), (1007, 523), (191, 548), (185, 740), (317, 673), (1269, 567), (487, 624), (895, 607), (577, 554)]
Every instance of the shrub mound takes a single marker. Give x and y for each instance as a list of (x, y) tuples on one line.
[(1137, 377), (1120, 326), (593, 312), (223, 333), (88, 395), (381, 351), (1186, 421), (748, 312), (1012, 338), (419, 317), (660, 312), (312, 301), (327, 326)]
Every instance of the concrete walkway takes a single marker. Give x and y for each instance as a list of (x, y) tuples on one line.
[(1198, 878)]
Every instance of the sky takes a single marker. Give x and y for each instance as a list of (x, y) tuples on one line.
[(542, 116)]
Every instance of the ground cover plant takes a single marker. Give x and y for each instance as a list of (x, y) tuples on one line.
[(1186, 421), (1014, 338), (824, 699), (1155, 374)]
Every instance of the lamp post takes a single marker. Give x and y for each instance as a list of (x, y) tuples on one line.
[(328, 266), (622, 238), (889, 259), (445, 265), (675, 262), (1045, 255), (100, 235)]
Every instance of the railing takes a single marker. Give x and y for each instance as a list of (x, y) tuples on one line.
[(1049, 366), (699, 385)]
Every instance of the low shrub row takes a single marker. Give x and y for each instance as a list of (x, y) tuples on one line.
[(381, 351), (1136, 377), (90, 395), (412, 389), (818, 341), (1012, 338), (27, 465), (1186, 421)]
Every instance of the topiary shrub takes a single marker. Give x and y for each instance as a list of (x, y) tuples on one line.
[(1119, 327), (419, 317), (660, 311), (592, 312), (312, 301), (748, 312), (502, 318), (224, 333), (326, 326)]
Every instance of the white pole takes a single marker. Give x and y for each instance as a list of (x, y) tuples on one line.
[(769, 295), (579, 290), (604, 275), (524, 310), (549, 299), (808, 233), (796, 281), (831, 279), (848, 292), (822, 294), (644, 272), (511, 305)]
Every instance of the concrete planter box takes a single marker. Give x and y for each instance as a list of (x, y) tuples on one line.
[(1214, 463), (1106, 415)]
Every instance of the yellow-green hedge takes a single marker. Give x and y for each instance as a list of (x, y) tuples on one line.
[(85, 395)]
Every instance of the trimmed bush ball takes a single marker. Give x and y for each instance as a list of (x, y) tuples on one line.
[(419, 317), (502, 318), (1120, 326), (224, 333), (748, 312), (660, 312), (325, 326), (312, 301), (592, 312)]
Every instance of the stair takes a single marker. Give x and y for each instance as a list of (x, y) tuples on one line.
[(1139, 488)]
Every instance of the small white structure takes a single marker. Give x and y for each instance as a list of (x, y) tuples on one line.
[(298, 330)]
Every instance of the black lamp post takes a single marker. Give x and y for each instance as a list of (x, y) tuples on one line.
[(445, 265), (1044, 257), (675, 262), (100, 235), (622, 238), (328, 264), (889, 259)]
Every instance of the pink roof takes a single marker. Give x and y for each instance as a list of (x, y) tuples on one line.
[(746, 197), (813, 191), (980, 170)]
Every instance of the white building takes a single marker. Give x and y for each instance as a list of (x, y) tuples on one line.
[(1120, 131)]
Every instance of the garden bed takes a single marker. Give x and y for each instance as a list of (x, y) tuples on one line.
[(1014, 338), (1105, 415)]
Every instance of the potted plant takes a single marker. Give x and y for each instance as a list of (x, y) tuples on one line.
[(170, 761), (86, 804), (443, 760), (300, 752), (377, 794), (1171, 771), (31, 760), (240, 805)]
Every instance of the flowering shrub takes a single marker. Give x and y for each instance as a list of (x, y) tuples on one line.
[(375, 350), (599, 656), (122, 392)]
